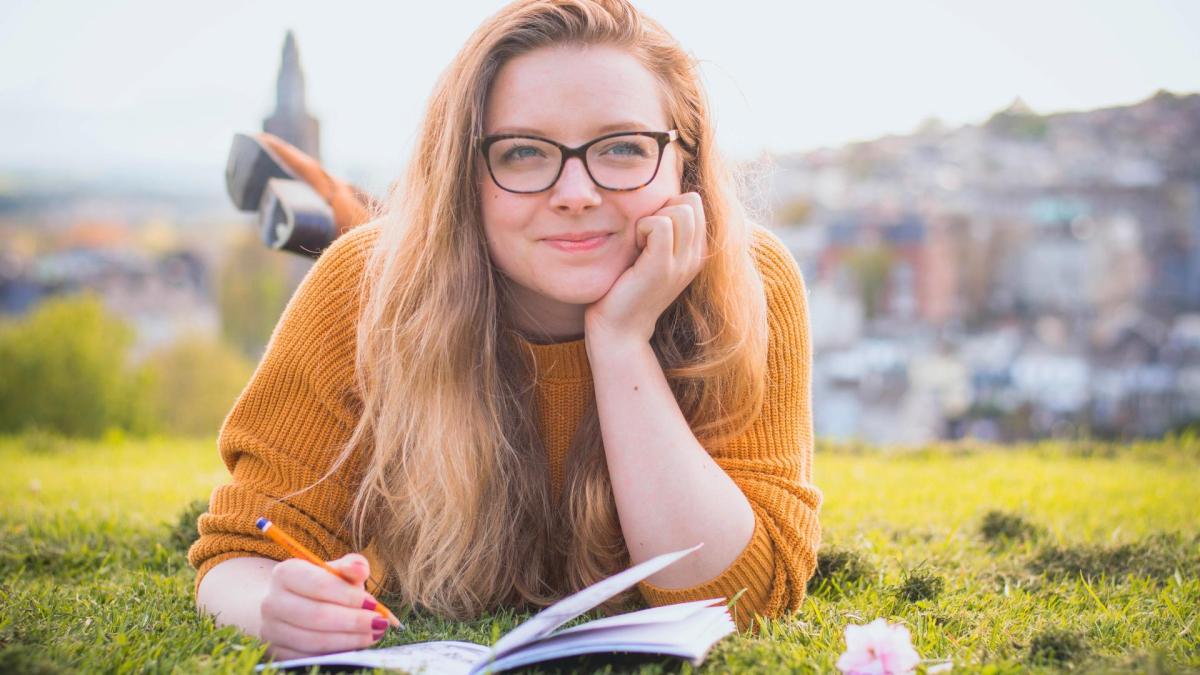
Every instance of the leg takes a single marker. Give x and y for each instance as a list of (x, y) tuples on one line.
[(351, 206)]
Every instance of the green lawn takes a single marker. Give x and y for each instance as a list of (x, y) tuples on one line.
[(1090, 560)]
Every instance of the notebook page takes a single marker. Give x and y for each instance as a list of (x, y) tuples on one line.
[(448, 657), (689, 639), (662, 614), (545, 621)]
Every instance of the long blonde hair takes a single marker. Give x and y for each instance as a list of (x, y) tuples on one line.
[(455, 489)]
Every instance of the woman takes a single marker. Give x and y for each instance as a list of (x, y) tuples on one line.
[(560, 350)]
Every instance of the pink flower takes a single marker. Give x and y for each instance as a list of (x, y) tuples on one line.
[(878, 648)]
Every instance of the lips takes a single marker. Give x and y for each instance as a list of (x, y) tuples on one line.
[(579, 241)]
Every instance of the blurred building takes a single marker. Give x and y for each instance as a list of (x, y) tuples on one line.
[(291, 120), (1034, 275)]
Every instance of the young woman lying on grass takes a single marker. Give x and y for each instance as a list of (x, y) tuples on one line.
[(558, 349)]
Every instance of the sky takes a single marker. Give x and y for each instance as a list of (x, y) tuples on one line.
[(147, 85)]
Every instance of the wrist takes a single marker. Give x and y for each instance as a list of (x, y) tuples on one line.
[(603, 345)]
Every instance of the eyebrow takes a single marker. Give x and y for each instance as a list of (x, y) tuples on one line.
[(628, 125)]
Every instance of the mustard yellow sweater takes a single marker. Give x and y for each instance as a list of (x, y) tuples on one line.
[(297, 412)]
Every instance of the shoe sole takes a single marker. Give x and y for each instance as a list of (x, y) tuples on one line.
[(248, 169), (293, 217)]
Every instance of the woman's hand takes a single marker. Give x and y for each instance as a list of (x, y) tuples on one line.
[(309, 611), (673, 242)]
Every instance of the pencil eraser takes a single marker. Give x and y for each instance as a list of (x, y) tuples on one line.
[(262, 524)]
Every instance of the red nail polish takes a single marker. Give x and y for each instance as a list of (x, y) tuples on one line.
[(376, 636), (370, 603), (379, 624)]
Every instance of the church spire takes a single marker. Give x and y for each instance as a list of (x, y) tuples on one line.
[(290, 120)]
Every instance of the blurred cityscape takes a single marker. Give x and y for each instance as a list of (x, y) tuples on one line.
[(1030, 276)]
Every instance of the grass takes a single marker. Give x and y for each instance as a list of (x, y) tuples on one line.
[(1041, 558)]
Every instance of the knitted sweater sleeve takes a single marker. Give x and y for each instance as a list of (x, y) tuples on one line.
[(772, 462), (290, 423)]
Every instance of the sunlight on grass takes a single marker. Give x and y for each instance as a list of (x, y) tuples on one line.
[(1037, 558), (142, 482)]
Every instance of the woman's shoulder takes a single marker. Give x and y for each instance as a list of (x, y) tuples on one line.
[(775, 263), (349, 252), (323, 310), (336, 278)]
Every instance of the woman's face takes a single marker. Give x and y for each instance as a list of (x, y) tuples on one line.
[(570, 95)]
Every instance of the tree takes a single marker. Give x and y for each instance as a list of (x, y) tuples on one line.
[(64, 368), (872, 269), (193, 384), (253, 289)]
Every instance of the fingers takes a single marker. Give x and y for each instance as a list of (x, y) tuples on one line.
[(684, 225), (325, 617), (689, 228), (291, 637), (658, 233), (280, 653), (307, 610), (306, 579), (354, 566)]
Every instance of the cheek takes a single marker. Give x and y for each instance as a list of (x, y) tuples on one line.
[(504, 216), (648, 200)]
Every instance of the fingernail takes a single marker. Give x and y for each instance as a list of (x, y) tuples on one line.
[(370, 603), (379, 624), (376, 636)]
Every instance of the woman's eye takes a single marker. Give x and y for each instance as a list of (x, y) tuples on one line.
[(626, 148), (521, 152)]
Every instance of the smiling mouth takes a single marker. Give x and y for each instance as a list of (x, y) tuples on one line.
[(587, 244)]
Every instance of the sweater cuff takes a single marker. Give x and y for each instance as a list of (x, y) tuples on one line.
[(753, 570)]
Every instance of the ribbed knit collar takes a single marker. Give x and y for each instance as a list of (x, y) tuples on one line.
[(559, 360)]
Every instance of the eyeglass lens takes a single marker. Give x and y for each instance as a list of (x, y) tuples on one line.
[(616, 163)]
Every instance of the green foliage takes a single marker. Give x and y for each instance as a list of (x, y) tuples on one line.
[(186, 528), (919, 584), (1158, 556), (64, 368), (28, 660), (1000, 527), (93, 574), (1017, 125), (253, 288), (65, 371), (872, 267), (1056, 647), (193, 383), (838, 567), (795, 212)]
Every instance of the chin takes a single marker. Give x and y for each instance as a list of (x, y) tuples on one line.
[(580, 287)]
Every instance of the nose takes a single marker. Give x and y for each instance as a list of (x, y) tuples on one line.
[(574, 192)]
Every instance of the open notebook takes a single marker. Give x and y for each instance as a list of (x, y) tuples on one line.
[(686, 630)]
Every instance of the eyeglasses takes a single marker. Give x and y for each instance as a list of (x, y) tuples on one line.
[(626, 160)]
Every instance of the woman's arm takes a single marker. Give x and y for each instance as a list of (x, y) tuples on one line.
[(297, 608), (233, 591), (669, 492), (284, 431)]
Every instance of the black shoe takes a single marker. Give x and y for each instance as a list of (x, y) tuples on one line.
[(248, 169), (293, 217)]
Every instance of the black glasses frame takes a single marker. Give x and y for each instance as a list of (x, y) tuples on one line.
[(663, 138)]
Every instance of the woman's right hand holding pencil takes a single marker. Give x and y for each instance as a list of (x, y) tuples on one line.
[(309, 611)]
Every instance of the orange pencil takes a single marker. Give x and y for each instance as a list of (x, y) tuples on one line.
[(297, 549)]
